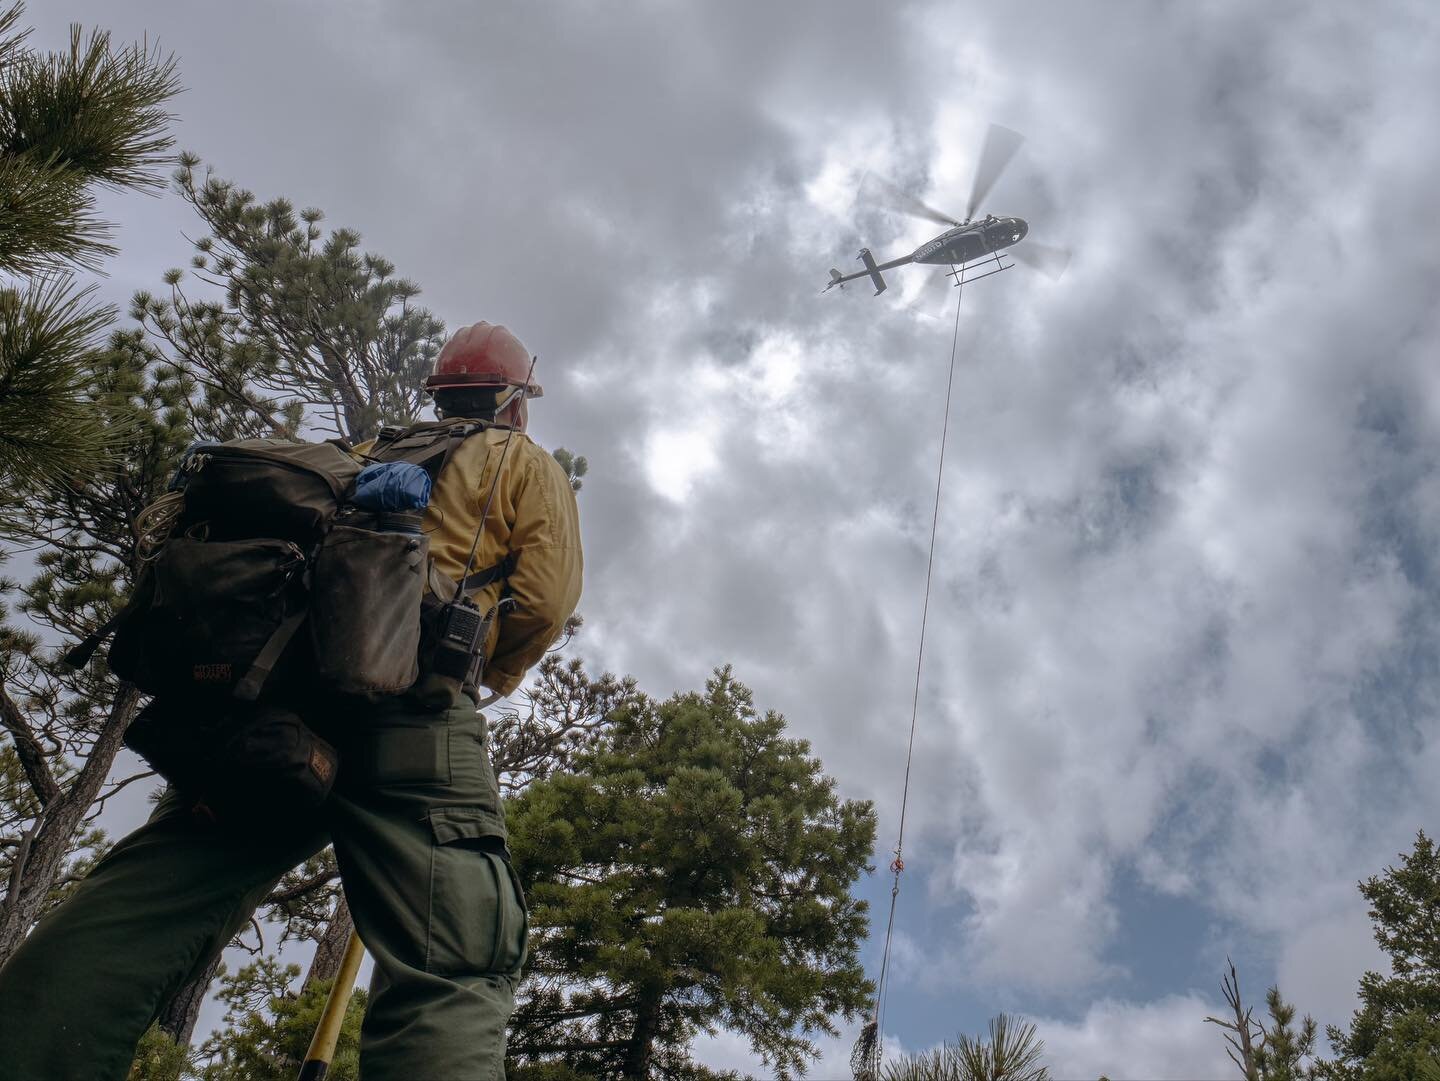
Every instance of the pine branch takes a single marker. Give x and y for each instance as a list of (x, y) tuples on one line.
[(11, 40), (27, 747), (49, 426), (116, 786), (47, 220), (91, 112), (301, 889)]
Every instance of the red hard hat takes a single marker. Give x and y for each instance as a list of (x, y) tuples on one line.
[(483, 355)]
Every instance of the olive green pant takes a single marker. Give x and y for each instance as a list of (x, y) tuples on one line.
[(419, 836)]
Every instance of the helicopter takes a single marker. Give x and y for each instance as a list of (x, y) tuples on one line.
[(971, 248)]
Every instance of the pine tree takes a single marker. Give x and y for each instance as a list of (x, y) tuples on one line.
[(1395, 1034), (65, 727), (159, 1058), (692, 873), (1011, 1053), (575, 466), (69, 122), (1286, 1055), (290, 317), (268, 1025), (194, 368), (1261, 1052)]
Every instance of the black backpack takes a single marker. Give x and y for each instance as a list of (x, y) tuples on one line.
[(216, 606), (264, 544)]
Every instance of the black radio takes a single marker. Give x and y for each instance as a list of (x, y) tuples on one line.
[(459, 642)]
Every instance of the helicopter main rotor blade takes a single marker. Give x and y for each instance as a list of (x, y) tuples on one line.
[(877, 191), (1042, 257), (1000, 146)]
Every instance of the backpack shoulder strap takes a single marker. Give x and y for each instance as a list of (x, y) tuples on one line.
[(430, 446)]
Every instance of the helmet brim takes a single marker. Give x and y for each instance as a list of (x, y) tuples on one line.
[(478, 380)]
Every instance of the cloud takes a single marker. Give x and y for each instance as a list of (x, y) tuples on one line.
[(1321, 964), (1182, 619), (1155, 1040)]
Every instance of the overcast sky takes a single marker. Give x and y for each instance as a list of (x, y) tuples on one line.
[(1180, 683)]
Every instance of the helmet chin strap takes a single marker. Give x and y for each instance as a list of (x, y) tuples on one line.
[(513, 399)]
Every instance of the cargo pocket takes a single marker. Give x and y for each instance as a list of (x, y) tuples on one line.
[(478, 925)]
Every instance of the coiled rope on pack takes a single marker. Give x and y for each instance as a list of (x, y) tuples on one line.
[(154, 524)]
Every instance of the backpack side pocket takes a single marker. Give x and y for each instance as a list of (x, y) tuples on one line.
[(365, 593)]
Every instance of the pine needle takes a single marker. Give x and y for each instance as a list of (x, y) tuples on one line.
[(49, 426)]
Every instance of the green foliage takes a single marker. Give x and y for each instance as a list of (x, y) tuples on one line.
[(1406, 1048), (692, 874), (1396, 1031), (544, 1071), (268, 1027), (298, 321), (68, 121), (91, 109), (159, 1058), (153, 390), (1286, 1055), (49, 427), (55, 717), (1012, 1053), (1267, 1052), (575, 466)]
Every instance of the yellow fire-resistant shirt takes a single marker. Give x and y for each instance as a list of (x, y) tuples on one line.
[(534, 518)]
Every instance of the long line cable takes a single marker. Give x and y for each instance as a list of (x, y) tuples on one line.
[(897, 866)]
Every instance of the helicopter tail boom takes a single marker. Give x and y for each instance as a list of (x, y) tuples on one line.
[(871, 271)]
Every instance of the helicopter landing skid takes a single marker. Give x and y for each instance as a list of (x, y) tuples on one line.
[(991, 264)]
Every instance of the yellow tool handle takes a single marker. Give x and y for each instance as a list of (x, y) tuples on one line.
[(327, 1032)]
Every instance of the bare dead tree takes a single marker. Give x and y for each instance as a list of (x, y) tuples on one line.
[(1243, 1034)]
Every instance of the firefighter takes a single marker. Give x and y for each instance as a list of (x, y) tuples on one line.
[(415, 816)]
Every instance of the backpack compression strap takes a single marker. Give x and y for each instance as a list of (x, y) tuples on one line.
[(481, 579), (248, 689)]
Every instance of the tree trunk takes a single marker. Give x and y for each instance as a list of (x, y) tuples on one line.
[(179, 1015), (647, 1019), (331, 949), (40, 860)]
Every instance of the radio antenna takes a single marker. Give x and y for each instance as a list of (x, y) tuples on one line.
[(494, 481)]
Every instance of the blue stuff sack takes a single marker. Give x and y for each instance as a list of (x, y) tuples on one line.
[(392, 486)]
